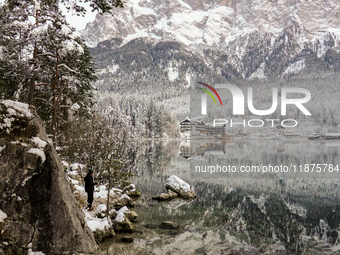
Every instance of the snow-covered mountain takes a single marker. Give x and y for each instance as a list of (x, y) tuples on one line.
[(155, 45), (219, 23)]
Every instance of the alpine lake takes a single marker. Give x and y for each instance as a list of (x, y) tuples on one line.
[(234, 212)]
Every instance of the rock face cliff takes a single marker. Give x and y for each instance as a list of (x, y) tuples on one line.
[(34, 191)]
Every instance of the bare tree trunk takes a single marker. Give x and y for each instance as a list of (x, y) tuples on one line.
[(54, 113), (66, 118), (32, 82), (35, 56), (108, 200)]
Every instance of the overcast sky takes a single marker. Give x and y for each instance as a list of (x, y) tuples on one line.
[(79, 22)]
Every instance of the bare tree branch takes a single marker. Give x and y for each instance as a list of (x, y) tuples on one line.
[(71, 70)]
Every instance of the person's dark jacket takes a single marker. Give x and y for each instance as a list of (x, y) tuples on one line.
[(89, 183)]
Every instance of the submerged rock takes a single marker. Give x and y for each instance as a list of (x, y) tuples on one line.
[(127, 239), (169, 195), (168, 224), (35, 192)]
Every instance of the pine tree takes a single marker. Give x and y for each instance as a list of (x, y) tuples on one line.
[(44, 61)]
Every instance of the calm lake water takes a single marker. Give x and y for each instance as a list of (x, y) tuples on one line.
[(236, 214)]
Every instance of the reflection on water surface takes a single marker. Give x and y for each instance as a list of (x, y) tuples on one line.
[(236, 215)]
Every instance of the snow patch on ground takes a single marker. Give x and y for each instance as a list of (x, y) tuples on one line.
[(131, 186), (65, 163), (77, 166), (38, 152), (101, 192), (177, 183), (74, 173), (95, 223), (74, 182), (79, 188)]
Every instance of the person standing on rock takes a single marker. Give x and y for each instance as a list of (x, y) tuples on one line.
[(89, 188)]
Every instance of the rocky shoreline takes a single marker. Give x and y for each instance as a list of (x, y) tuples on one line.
[(42, 209), (122, 218)]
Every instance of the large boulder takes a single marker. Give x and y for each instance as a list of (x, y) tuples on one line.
[(35, 193), (180, 187)]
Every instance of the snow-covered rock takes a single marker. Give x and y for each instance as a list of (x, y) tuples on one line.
[(30, 252), (2, 216), (100, 210), (121, 214), (121, 222), (173, 182), (38, 152), (40, 143), (129, 187), (180, 187), (131, 191), (124, 200), (98, 224), (101, 227), (17, 108)]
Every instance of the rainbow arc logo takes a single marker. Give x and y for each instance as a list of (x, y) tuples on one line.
[(209, 93)]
